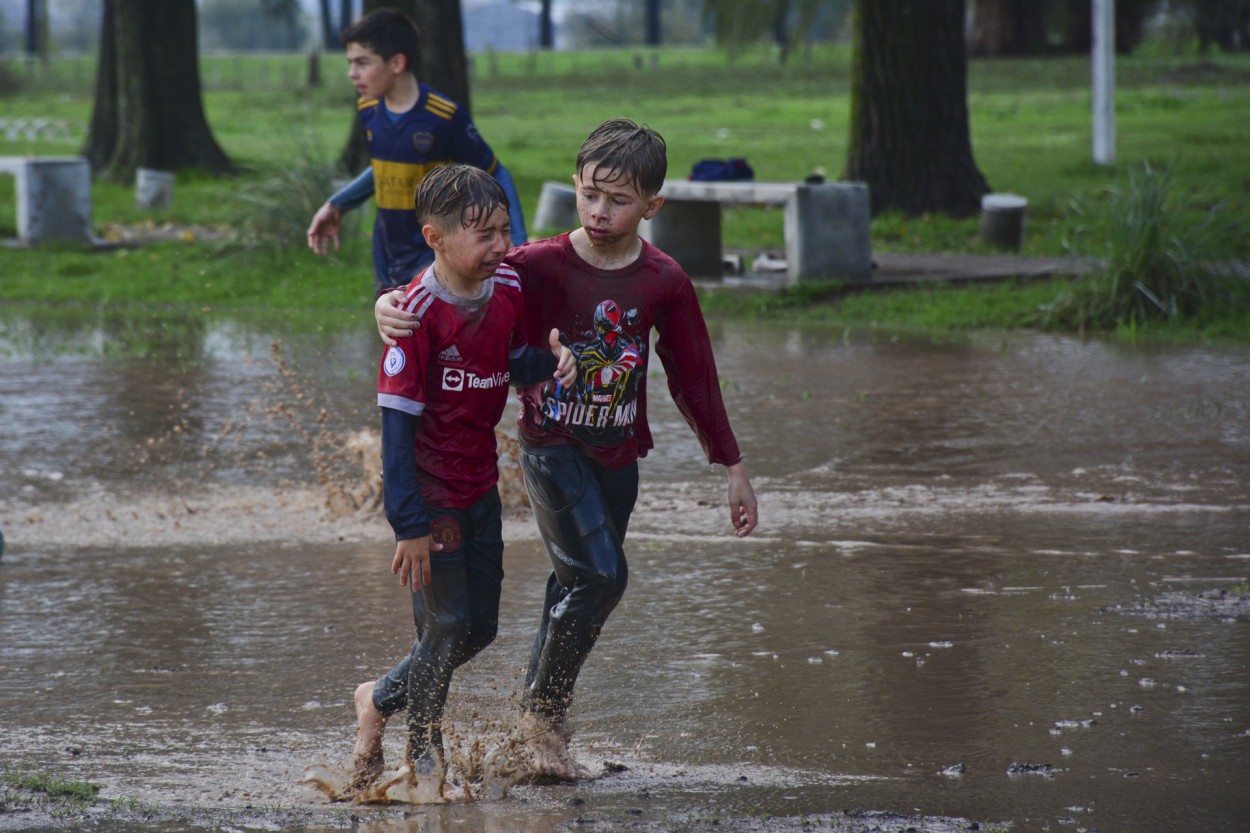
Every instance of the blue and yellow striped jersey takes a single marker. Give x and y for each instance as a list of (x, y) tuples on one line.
[(403, 148)]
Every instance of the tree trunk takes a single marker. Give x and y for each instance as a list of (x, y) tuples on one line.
[(910, 140), (329, 37), (443, 64), (653, 23), (1078, 29), (546, 32), (103, 130), (1007, 28), (148, 111)]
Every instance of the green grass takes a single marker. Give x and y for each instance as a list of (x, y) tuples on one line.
[(22, 791), (1030, 123)]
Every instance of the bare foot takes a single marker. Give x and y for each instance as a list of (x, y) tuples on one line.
[(367, 754), (547, 745), (421, 781)]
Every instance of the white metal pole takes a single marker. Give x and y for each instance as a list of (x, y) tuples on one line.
[(1103, 60)]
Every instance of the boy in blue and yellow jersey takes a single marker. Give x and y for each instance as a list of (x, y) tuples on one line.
[(410, 129)]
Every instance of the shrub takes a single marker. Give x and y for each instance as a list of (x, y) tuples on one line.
[(273, 211), (1159, 258)]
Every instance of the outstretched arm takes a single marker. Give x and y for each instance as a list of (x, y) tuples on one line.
[(743, 510), (326, 223)]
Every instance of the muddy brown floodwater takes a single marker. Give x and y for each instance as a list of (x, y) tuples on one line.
[(948, 609)]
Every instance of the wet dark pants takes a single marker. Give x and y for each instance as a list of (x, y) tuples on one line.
[(582, 509), (456, 614)]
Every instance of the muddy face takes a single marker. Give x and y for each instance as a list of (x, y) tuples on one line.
[(194, 581)]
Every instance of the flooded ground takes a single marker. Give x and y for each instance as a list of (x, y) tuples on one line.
[(947, 608)]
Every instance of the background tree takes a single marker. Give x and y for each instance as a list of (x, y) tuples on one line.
[(1222, 23), (741, 22), (909, 108), (1007, 27), (329, 33), (652, 10), (148, 112), (1074, 24), (236, 25), (546, 31)]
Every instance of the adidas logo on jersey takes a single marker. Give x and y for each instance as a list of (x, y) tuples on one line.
[(450, 354)]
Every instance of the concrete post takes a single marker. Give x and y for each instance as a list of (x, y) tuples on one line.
[(557, 207), (828, 232), (53, 199), (690, 233)]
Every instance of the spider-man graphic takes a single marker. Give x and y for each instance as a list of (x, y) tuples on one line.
[(603, 400)]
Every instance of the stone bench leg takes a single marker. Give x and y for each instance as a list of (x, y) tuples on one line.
[(53, 200), (689, 232), (829, 232)]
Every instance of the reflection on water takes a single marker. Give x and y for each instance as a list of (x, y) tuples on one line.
[(944, 529)]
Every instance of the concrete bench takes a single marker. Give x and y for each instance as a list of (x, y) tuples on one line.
[(827, 226), (53, 198)]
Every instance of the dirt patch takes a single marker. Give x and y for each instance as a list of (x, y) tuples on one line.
[(23, 808), (149, 231)]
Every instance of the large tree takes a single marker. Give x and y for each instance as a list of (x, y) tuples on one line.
[(441, 63), (148, 112), (910, 140), (1007, 27)]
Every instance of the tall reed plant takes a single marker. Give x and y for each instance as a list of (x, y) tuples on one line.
[(1159, 258), (271, 211)]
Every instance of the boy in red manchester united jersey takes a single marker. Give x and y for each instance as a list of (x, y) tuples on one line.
[(605, 289), (441, 392)]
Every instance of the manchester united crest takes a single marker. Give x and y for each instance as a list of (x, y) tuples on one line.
[(445, 530)]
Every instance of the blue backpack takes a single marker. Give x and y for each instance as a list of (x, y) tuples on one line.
[(721, 170)]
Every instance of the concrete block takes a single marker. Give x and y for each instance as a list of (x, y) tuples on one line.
[(53, 198), (828, 231), (557, 207), (154, 190), (690, 233), (1002, 220)]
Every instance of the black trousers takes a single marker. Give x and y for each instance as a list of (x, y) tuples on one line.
[(582, 509), (456, 615)]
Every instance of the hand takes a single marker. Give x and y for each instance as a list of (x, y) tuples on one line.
[(412, 561), (393, 322), (566, 362), (743, 510), (324, 227)]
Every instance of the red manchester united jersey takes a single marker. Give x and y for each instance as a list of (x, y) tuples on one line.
[(453, 373)]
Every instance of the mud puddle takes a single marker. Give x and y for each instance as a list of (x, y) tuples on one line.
[(963, 606)]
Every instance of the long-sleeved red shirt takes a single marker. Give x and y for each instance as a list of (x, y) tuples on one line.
[(607, 318)]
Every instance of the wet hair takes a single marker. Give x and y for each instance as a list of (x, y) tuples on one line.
[(462, 192), (388, 32), (626, 152)]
